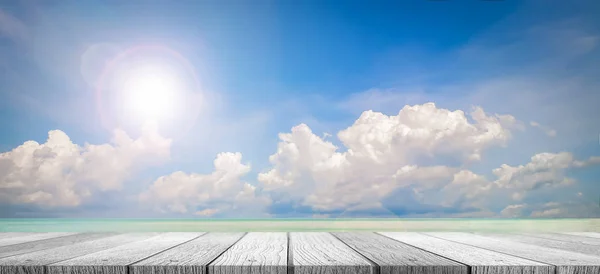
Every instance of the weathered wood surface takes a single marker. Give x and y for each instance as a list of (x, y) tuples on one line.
[(396, 257), (481, 261), (321, 252), (565, 261), (32, 237), (189, 258), (4, 235), (23, 248), (571, 246), (566, 238), (115, 260), (302, 253), (33, 263), (255, 253), (585, 234)]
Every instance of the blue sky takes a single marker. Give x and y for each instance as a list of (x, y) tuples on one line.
[(318, 109)]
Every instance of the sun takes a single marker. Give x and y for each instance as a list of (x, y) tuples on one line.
[(151, 92)]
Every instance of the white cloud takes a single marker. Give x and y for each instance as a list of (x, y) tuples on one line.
[(383, 100), (554, 212), (221, 191), (382, 155), (546, 170), (467, 189), (548, 131), (426, 130), (576, 209), (594, 160), (61, 173), (385, 155), (513, 211)]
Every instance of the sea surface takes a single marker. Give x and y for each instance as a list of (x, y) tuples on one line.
[(182, 225)]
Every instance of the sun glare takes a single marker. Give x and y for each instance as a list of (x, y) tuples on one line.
[(151, 92)]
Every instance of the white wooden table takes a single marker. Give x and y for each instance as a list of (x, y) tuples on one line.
[(299, 253)]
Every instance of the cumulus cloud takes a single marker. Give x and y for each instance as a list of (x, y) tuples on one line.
[(382, 155), (526, 185), (386, 164), (545, 170), (222, 191), (467, 189), (426, 129), (61, 173), (544, 174)]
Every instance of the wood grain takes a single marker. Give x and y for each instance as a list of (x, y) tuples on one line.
[(32, 263), (115, 260), (302, 253), (4, 235), (188, 258), (255, 253), (23, 248), (321, 252), (566, 238), (396, 257), (481, 261), (585, 234), (565, 261), (33, 237), (571, 246)]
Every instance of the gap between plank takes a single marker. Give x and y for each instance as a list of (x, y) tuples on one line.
[(35, 250), (555, 266), (35, 241), (116, 234), (544, 238), (469, 270), (206, 268), (45, 267), (290, 255), (45, 271), (376, 267), (128, 268)]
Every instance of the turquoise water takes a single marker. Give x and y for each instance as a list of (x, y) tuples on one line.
[(158, 225)]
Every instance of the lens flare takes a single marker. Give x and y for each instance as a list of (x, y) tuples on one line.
[(149, 82), (151, 92)]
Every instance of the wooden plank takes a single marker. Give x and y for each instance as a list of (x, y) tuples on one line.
[(585, 234), (481, 261), (255, 253), (33, 237), (33, 263), (321, 252), (4, 235), (575, 247), (23, 248), (189, 258), (396, 257), (566, 238), (116, 260), (565, 261)]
